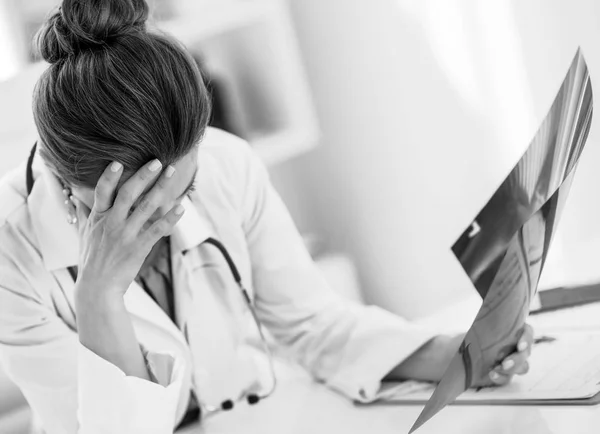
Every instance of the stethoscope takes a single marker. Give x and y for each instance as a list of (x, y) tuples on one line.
[(228, 404)]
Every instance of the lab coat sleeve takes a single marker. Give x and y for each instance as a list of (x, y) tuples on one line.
[(349, 346), (69, 388)]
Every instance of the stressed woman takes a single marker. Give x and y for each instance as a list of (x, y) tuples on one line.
[(142, 252)]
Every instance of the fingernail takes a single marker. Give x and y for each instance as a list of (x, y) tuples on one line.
[(507, 364), (170, 171), (154, 166), (522, 346), (494, 375), (179, 209), (115, 166)]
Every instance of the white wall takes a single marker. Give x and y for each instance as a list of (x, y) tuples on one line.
[(425, 106), (13, 48)]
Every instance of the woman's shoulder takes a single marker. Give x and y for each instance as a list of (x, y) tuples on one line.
[(224, 147), (226, 166), (225, 157)]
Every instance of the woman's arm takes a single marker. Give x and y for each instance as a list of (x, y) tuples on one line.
[(430, 361), (104, 327), (69, 388), (427, 363), (349, 346), (113, 247), (95, 381)]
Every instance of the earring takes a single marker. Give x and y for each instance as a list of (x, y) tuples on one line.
[(71, 210)]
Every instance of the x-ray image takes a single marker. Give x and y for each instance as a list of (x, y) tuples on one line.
[(504, 248)]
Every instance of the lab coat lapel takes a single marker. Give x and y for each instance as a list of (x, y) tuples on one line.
[(218, 325), (211, 335), (58, 240), (201, 279), (199, 314), (157, 333), (192, 230), (140, 305)]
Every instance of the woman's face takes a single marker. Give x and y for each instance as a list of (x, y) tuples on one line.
[(180, 185)]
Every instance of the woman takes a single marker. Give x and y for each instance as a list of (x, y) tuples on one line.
[(127, 317)]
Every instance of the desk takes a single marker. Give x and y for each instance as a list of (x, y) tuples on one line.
[(301, 406)]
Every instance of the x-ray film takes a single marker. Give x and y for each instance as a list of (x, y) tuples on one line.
[(504, 249)]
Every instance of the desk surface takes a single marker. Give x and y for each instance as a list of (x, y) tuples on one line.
[(301, 406)]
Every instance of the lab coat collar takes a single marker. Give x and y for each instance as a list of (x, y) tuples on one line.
[(59, 241)]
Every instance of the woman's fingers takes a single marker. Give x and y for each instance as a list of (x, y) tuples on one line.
[(150, 202), (524, 369), (163, 226), (104, 194), (499, 379), (133, 188), (503, 374), (526, 340), (512, 364), (517, 362)]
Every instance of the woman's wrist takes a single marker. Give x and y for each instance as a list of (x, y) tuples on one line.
[(447, 347), (105, 327), (90, 297)]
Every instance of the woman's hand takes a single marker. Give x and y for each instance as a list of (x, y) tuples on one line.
[(514, 364), (430, 361), (114, 240)]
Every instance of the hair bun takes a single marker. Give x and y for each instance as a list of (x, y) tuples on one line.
[(79, 24)]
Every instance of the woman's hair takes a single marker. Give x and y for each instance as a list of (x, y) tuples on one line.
[(114, 91)]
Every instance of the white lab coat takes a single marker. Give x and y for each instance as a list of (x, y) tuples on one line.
[(72, 390)]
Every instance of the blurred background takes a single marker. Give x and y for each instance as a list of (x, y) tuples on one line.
[(386, 125)]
